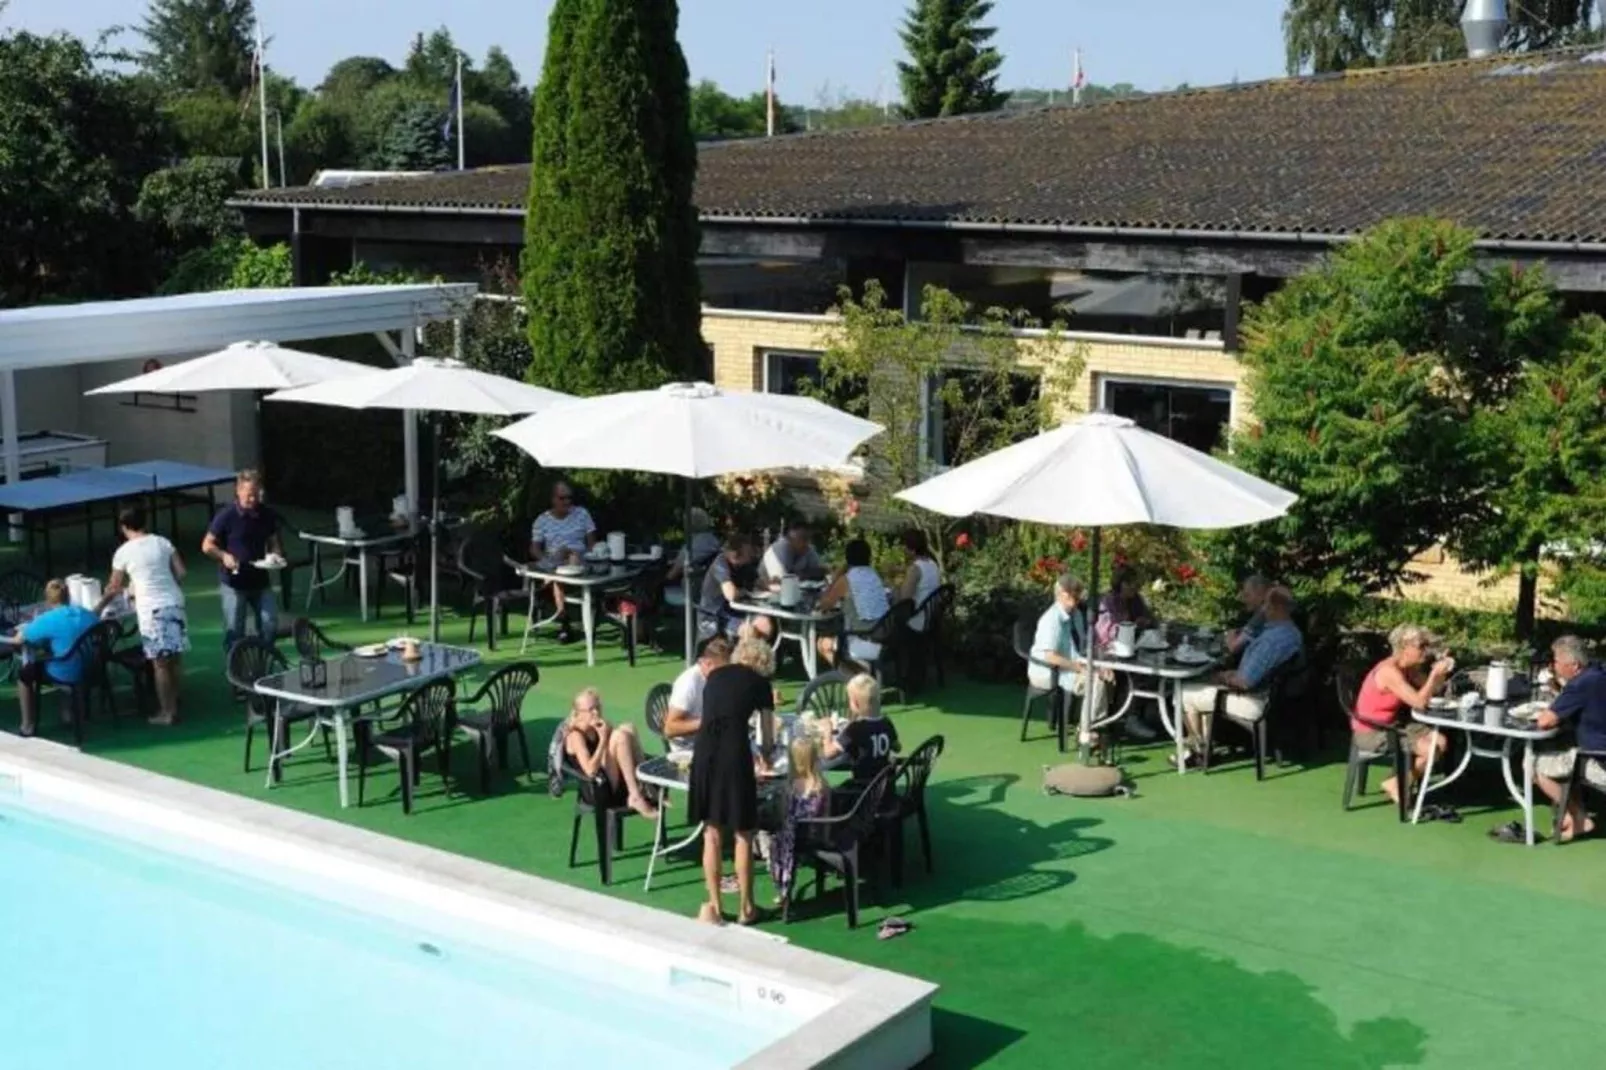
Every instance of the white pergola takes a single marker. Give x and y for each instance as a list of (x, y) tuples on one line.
[(188, 325)]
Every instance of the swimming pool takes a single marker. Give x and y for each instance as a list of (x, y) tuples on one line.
[(155, 924)]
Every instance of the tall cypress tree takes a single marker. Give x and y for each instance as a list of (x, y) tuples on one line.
[(952, 70), (610, 255)]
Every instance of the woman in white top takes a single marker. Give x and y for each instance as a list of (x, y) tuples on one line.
[(863, 598), (922, 579), (151, 569)]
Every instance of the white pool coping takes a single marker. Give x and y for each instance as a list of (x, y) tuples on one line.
[(857, 1016)]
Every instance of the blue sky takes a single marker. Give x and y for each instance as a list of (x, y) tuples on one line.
[(844, 44)]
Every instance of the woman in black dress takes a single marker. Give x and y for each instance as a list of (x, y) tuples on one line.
[(723, 783)]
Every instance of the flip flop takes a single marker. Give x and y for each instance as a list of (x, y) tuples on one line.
[(892, 927), (758, 916), (1512, 832)]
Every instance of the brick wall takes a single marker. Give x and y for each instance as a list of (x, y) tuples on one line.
[(739, 339)]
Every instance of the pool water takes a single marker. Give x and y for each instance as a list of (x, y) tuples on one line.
[(114, 954)]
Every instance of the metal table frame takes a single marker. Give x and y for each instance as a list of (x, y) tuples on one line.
[(1168, 677), (336, 713), (806, 622), (581, 589), (353, 547), (1507, 731)]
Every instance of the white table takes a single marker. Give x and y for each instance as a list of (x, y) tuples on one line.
[(599, 578), (353, 682), (1154, 675), (358, 546), (803, 620), (1492, 721)]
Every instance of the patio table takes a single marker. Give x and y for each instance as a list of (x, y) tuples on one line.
[(1491, 722), (599, 578), (371, 538), (352, 682), (799, 624), (1154, 675)]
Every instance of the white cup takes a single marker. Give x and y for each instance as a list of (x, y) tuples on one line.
[(657, 551)]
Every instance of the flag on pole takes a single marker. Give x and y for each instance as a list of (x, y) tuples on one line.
[(1078, 79), (769, 97), (454, 113), (259, 65)]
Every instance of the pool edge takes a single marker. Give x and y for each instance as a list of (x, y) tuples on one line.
[(880, 1019)]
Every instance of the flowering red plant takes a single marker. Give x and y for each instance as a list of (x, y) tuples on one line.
[(1078, 540), (962, 541), (1187, 573)]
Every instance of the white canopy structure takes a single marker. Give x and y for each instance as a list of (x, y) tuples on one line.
[(241, 366), (183, 326)]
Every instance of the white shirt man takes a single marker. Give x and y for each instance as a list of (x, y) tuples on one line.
[(1057, 645), (685, 713)]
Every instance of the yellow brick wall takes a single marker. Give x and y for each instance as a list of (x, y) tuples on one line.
[(738, 339)]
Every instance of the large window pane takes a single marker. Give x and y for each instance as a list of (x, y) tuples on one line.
[(1196, 416), (1003, 418), (798, 373)]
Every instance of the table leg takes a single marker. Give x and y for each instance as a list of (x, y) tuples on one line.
[(809, 640), (1528, 788), (317, 573), (1427, 777), (340, 755), (276, 756), (657, 839), (589, 624), (362, 582), (1178, 727), (529, 617)]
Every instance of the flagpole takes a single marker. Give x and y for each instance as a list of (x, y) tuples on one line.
[(278, 118), (769, 97), (262, 106), (462, 145), (1076, 80)]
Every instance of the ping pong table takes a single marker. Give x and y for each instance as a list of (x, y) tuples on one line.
[(87, 494)]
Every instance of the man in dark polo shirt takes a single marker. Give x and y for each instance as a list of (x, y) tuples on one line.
[(242, 532)]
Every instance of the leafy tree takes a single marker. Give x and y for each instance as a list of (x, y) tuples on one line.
[(952, 70), (716, 115), (609, 266), (319, 136), (416, 141), (232, 262), (187, 206), (1335, 35), (201, 45), (75, 144), (1366, 375), (210, 123), (354, 76), (989, 386), (1545, 451)]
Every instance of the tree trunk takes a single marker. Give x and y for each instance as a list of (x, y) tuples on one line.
[(1528, 591)]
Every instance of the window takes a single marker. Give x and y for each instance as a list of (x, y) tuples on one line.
[(1194, 414), (1015, 415), (797, 372)]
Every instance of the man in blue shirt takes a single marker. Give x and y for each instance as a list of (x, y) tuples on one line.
[(243, 532), (1278, 643), (1059, 642), (54, 631), (1581, 707)]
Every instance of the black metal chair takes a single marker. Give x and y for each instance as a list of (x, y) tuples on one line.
[(1290, 683), (1576, 782), (609, 822), (92, 652), (656, 709), (909, 800), (636, 605), (484, 588), (418, 725), (312, 643), (839, 845), (19, 589), (825, 695), (130, 657), (1347, 680), (926, 646), (891, 632), (499, 721), (406, 565), (249, 660), (1025, 632)]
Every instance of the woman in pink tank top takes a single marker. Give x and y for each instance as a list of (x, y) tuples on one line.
[(1396, 683)]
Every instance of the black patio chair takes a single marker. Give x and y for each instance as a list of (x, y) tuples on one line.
[(19, 589), (609, 822), (908, 799), (406, 565), (92, 652), (312, 642), (126, 651), (636, 605), (249, 660), (825, 695), (484, 587), (656, 709), (417, 726), (1290, 684), (1347, 680), (1025, 632), (840, 845), (498, 721), (891, 632), (926, 646), (1576, 782)]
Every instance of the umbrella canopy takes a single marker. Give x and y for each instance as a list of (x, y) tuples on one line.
[(693, 430), (433, 386), (429, 385), (1100, 470), (241, 366)]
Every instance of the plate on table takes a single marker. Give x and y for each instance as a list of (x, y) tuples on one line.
[(1440, 703), (372, 650), (811, 585), (569, 570), (400, 642), (1152, 643), (1527, 711), (640, 558), (1189, 656), (271, 563)]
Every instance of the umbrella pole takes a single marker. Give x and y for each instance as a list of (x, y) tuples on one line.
[(435, 530), (685, 579), (1090, 693)]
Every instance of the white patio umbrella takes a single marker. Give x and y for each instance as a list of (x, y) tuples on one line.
[(1101, 470), (241, 366), (692, 430), (432, 386)]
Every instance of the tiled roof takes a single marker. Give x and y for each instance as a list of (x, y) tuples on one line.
[(1514, 147)]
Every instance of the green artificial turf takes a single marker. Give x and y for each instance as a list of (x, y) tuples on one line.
[(1211, 921)]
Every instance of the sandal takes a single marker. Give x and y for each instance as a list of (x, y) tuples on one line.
[(892, 927), (758, 916), (1512, 832)]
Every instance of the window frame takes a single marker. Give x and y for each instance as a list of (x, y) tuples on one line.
[(1104, 380)]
